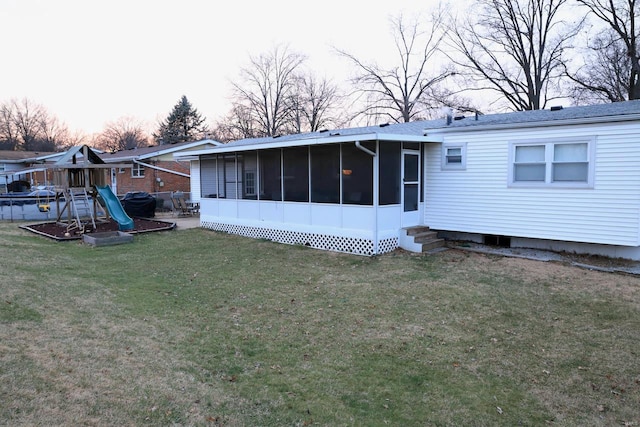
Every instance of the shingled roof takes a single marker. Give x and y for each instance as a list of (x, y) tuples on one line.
[(557, 116)]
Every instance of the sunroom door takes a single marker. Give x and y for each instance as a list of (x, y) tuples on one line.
[(410, 188)]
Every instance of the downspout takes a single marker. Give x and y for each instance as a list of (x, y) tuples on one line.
[(365, 149), (375, 192)]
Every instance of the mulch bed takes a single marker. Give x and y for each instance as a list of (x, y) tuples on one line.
[(57, 231)]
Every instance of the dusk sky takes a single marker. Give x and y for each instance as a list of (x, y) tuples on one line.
[(91, 62)]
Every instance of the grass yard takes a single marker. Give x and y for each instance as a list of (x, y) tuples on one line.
[(193, 327)]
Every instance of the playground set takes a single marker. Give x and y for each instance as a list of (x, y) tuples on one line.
[(84, 201), (80, 179)]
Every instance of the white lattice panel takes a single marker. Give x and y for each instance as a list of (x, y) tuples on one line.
[(359, 246), (388, 245)]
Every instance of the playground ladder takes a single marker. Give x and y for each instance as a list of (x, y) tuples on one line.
[(81, 204)]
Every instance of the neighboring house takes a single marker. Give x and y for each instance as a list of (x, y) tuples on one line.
[(562, 179), (153, 169), (26, 167)]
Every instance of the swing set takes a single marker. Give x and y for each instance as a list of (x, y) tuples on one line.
[(44, 205)]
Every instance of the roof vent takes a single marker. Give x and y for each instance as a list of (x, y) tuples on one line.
[(458, 118), (556, 108), (323, 130), (384, 125)]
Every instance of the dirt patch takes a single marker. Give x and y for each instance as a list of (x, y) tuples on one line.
[(58, 231)]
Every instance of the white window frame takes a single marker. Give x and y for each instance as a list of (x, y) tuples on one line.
[(250, 175), (445, 156), (549, 145), (137, 171)]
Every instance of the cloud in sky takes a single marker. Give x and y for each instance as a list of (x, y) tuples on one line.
[(92, 62)]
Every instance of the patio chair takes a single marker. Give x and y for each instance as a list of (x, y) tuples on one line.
[(181, 206), (178, 208)]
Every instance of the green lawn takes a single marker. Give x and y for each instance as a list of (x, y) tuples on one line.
[(193, 327)]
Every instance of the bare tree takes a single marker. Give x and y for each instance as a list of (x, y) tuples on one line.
[(620, 16), (266, 88), (8, 132), (25, 125), (122, 134), (604, 75), (514, 48), (57, 134), (238, 124), (404, 92), (29, 120), (316, 104)]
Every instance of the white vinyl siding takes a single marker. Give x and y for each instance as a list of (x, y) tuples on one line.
[(194, 181), (208, 178), (481, 200)]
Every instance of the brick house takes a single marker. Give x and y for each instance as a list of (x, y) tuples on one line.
[(154, 169)]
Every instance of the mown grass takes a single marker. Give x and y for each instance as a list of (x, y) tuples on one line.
[(194, 327)]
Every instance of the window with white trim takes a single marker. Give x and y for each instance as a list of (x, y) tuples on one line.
[(454, 156), (565, 163), (137, 171), (250, 183)]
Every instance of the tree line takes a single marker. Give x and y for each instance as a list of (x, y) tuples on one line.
[(517, 54)]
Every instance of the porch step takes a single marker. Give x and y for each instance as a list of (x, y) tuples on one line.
[(420, 239)]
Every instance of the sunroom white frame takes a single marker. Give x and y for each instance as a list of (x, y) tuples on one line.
[(359, 229)]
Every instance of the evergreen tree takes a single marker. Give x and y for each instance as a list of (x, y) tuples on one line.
[(183, 124)]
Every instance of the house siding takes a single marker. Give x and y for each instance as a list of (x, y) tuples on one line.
[(479, 199), (150, 184), (194, 182)]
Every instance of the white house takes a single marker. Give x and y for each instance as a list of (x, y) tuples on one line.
[(563, 179)]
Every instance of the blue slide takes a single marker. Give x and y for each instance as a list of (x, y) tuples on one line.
[(113, 205)]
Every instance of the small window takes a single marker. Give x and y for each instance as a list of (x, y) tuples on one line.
[(137, 171), (553, 163), (454, 156), (250, 183)]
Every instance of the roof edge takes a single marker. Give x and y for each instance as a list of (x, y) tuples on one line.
[(542, 123), (373, 136)]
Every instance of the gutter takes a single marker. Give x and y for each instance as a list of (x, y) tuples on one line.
[(543, 123), (297, 142), (147, 165)]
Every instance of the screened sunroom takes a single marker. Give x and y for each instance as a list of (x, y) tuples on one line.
[(337, 193)]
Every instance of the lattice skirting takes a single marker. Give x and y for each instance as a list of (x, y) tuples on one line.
[(354, 245)]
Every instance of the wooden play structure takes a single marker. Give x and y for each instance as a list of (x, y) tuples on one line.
[(76, 177)]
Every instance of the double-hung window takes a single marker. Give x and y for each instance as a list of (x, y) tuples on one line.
[(137, 171), (454, 156), (560, 163)]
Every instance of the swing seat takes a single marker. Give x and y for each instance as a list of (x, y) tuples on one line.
[(44, 207)]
